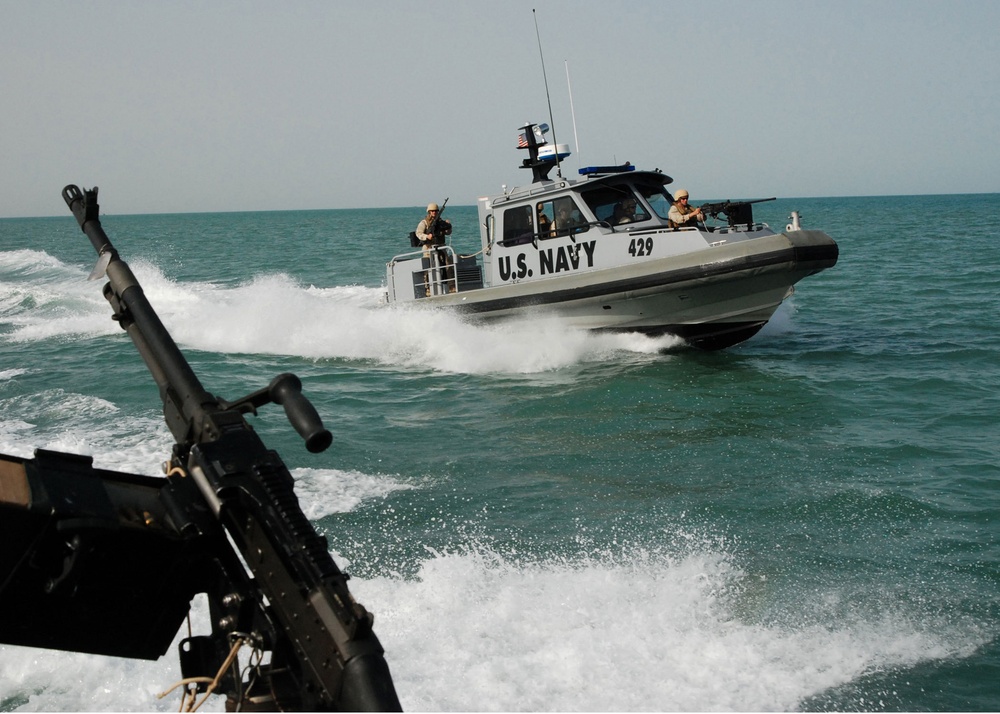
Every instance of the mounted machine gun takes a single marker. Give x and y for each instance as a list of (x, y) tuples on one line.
[(736, 212)]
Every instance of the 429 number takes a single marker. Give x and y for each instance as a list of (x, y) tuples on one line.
[(640, 247)]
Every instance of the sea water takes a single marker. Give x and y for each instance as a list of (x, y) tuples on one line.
[(545, 519)]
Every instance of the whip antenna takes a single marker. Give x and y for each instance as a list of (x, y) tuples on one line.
[(555, 143), (572, 111)]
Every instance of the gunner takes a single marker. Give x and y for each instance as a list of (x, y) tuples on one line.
[(682, 215)]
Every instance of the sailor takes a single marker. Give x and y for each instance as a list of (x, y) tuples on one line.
[(624, 211), (432, 229), (682, 215), (543, 221), (564, 220)]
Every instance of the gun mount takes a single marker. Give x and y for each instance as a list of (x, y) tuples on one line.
[(105, 562)]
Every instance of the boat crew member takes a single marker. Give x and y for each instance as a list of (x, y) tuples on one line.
[(544, 223), (624, 211), (431, 233), (682, 215), (433, 229), (564, 220)]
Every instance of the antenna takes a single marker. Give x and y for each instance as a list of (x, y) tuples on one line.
[(572, 111), (555, 144)]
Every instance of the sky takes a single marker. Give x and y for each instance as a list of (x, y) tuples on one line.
[(187, 106)]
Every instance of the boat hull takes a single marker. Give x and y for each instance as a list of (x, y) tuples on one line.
[(712, 298)]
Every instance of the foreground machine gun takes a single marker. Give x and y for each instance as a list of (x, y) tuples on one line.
[(738, 213), (108, 563)]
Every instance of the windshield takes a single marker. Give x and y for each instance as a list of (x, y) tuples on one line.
[(658, 199), (615, 204)]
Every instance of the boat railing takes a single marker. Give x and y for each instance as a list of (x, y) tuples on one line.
[(738, 228), (520, 192), (438, 274), (571, 232), (742, 228)]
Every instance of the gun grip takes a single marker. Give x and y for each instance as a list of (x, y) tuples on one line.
[(286, 390)]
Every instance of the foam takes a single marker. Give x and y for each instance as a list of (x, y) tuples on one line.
[(273, 314), (477, 630), (635, 630)]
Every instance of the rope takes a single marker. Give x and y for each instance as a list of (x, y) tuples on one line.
[(212, 683), (184, 683), (222, 670)]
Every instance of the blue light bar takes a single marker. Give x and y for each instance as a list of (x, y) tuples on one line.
[(592, 170)]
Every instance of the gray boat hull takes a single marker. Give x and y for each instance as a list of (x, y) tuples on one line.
[(712, 298)]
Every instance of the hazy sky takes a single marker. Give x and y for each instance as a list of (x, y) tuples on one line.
[(224, 105)]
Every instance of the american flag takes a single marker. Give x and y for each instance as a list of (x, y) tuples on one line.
[(522, 141)]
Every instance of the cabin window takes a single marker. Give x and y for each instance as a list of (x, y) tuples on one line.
[(658, 199), (559, 217), (615, 205), (518, 226)]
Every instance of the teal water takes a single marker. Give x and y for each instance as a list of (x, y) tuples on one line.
[(542, 519)]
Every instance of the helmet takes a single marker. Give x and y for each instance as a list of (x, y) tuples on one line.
[(679, 194), (432, 207)]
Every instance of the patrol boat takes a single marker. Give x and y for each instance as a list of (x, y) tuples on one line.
[(600, 252)]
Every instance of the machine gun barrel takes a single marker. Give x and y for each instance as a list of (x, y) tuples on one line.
[(736, 212), (183, 396), (324, 654)]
